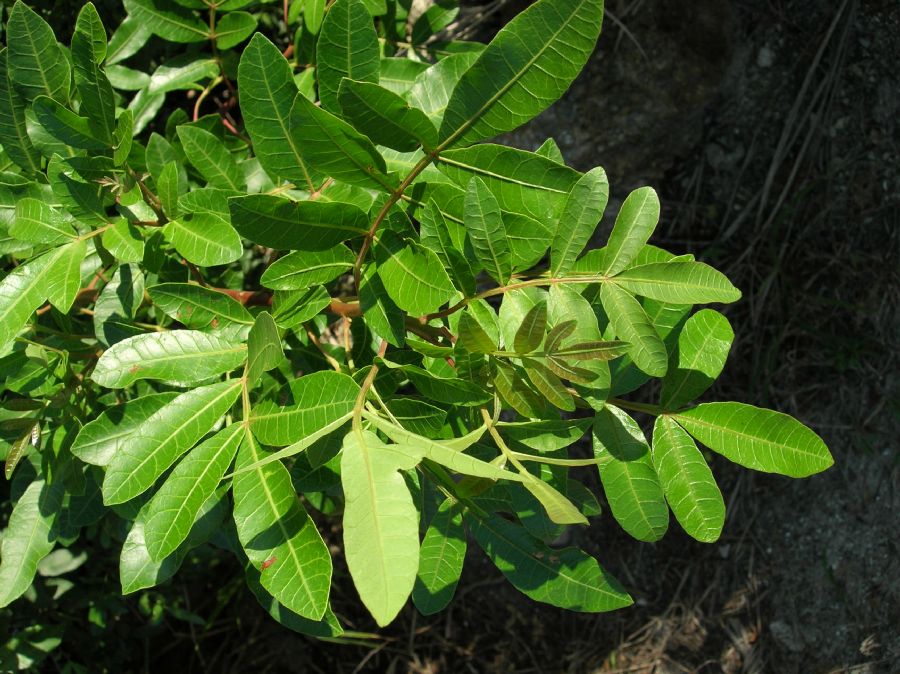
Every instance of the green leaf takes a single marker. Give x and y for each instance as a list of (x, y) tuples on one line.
[(127, 40), (417, 415), (13, 127), (442, 453), (264, 350), (687, 481), (383, 317), (98, 102), (25, 288), (528, 239), (347, 47), (204, 239), (296, 225), (629, 480), (63, 279), (124, 241), (635, 223), (526, 67), (211, 158), (757, 438), (163, 437), (678, 283), (434, 233), (19, 448), (28, 538), (523, 182), (546, 435), (486, 231), (277, 533), (328, 626), (548, 384), (550, 150), (530, 334), (381, 531), (182, 72), (65, 126), (179, 355), (292, 308), (385, 117), (451, 391), (509, 382), (302, 269), (137, 570), (413, 276), (583, 210), (399, 74), (441, 560), (317, 400), (267, 88), (472, 337), (566, 304), (168, 20), (432, 88), (198, 307), (568, 578), (335, 148), (117, 305), (36, 62), (167, 189), (101, 439), (703, 346), (171, 513), (631, 324), (36, 222), (313, 13), (233, 28), (559, 509)]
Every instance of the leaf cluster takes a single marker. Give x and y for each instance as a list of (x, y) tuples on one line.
[(334, 295)]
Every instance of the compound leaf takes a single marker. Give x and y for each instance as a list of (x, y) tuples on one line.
[(168, 20), (302, 269), (296, 225)]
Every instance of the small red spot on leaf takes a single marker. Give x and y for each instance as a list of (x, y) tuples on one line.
[(134, 368), (266, 564), (215, 323)]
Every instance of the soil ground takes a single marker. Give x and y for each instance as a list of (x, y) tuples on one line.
[(771, 132)]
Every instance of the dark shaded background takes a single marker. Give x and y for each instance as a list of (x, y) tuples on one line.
[(770, 129)]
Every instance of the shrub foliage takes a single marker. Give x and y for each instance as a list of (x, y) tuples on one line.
[(255, 282)]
